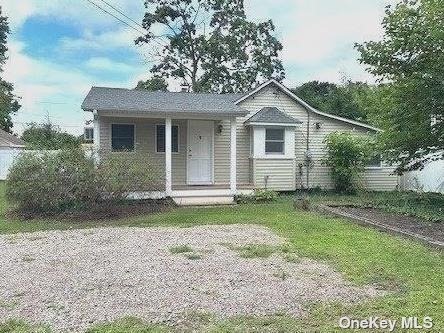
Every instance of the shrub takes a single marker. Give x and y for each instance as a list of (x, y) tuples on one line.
[(259, 195), (52, 181), (346, 157), (68, 180), (121, 173)]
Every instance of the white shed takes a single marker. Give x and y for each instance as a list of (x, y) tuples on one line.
[(10, 147)]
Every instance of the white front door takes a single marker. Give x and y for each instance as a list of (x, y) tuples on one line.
[(200, 152)]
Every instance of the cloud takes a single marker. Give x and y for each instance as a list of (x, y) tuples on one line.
[(106, 64)]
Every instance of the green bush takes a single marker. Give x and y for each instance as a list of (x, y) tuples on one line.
[(259, 195), (52, 181), (121, 173), (347, 154), (68, 180)]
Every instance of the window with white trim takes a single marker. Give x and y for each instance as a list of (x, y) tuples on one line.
[(160, 138), (122, 137), (274, 141), (88, 134)]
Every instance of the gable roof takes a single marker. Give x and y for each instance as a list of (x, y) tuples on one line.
[(139, 100), (272, 115), (305, 104), (9, 140)]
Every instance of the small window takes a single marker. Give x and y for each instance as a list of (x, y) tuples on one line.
[(274, 141), (88, 134), (375, 161), (122, 137), (160, 138)]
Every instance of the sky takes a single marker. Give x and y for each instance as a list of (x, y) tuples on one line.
[(58, 49)]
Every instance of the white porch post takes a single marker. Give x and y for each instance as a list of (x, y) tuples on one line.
[(233, 155), (96, 136), (168, 178)]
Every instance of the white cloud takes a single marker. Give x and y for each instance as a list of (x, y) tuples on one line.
[(106, 64)]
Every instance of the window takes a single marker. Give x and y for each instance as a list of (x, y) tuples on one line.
[(122, 137), (374, 162), (160, 138), (274, 140), (88, 134)]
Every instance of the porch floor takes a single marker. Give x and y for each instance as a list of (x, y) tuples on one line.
[(211, 187)]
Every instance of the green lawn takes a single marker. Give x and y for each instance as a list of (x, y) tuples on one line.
[(412, 272)]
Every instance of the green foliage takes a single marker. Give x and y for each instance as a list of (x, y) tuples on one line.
[(259, 195), (68, 180), (211, 45), (8, 101), (45, 182), (48, 136), (343, 100), (346, 157), (410, 58), (124, 172), (19, 326), (181, 249), (156, 83), (128, 325)]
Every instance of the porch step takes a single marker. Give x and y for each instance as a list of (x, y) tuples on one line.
[(203, 200)]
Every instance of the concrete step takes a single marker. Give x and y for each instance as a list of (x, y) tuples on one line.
[(203, 201)]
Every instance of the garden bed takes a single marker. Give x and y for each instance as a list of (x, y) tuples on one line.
[(430, 232)]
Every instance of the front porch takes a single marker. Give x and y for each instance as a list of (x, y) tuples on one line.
[(198, 154)]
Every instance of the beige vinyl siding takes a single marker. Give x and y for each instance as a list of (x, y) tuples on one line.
[(318, 174), (380, 179), (279, 172), (145, 142)]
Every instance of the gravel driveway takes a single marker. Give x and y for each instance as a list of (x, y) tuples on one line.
[(73, 279)]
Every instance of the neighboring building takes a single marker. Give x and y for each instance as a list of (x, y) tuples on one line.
[(279, 138), (10, 147)]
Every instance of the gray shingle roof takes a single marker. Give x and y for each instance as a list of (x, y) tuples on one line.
[(138, 100), (9, 140), (272, 115)]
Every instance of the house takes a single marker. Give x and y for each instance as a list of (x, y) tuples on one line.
[(10, 147), (219, 145)]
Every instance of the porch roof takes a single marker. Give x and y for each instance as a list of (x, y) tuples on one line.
[(272, 115), (137, 100)]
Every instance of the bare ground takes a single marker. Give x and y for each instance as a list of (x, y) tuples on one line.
[(73, 279)]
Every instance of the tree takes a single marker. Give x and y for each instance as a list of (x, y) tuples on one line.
[(342, 100), (410, 59), (48, 136), (156, 83), (210, 44), (8, 101)]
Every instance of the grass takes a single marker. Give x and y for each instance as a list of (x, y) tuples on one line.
[(412, 272), (181, 249)]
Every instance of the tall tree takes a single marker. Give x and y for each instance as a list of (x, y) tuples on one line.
[(48, 136), (156, 83), (410, 59), (210, 44), (342, 100), (8, 101)]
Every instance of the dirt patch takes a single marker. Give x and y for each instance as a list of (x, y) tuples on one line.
[(101, 211), (409, 224), (80, 277)]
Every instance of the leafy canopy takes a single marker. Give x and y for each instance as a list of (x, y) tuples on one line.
[(48, 136), (410, 59), (8, 101), (210, 44), (156, 83), (343, 100)]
